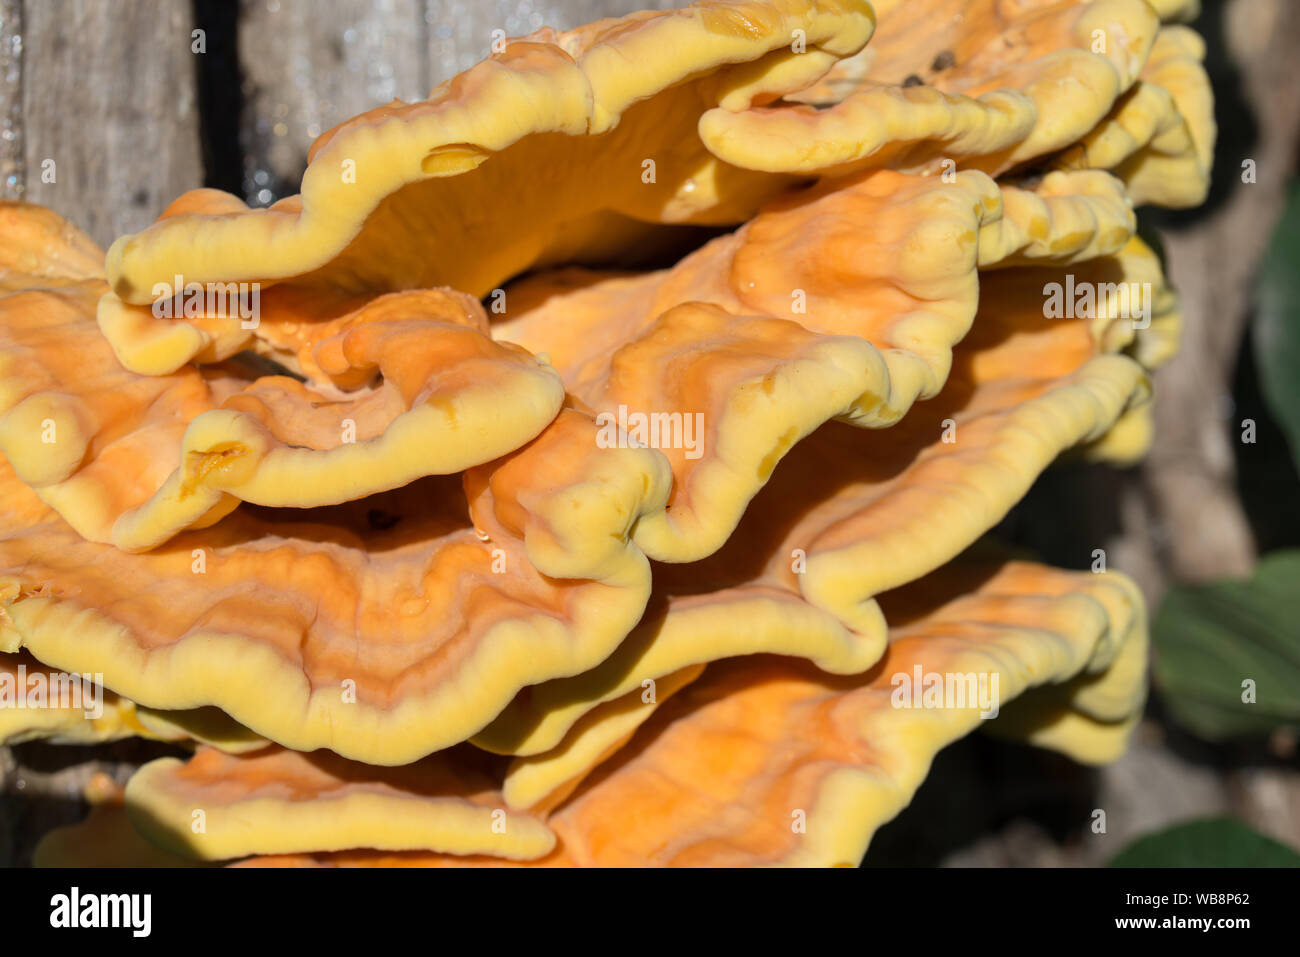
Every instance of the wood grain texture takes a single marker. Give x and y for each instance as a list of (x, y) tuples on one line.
[(108, 110), (308, 65), (11, 59)]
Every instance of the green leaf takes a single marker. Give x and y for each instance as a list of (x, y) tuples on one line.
[(1277, 323), (1214, 842), (1210, 639)]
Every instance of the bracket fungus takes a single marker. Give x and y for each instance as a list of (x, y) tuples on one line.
[(630, 570), (295, 802), (41, 703), (1159, 138), (405, 179), (1011, 82), (834, 528), (758, 743), (792, 296)]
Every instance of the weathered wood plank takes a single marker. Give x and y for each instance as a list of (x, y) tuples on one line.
[(11, 145), (310, 64), (110, 126)]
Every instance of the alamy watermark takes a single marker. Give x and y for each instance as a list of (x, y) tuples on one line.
[(946, 690), (1088, 300), (213, 300), (58, 690), (658, 430), (133, 912)]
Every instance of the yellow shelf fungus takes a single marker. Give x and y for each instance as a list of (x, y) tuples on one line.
[(216, 806), (833, 528), (762, 761), (689, 548)]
